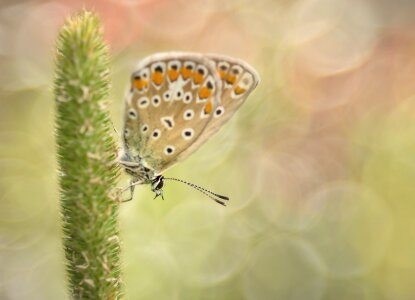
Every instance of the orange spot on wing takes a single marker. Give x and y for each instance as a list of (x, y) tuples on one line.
[(197, 78), (238, 90), (230, 79), (140, 84), (204, 93), (208, 107), (186, 73), (222, 74), (157, 77), (173, 74)]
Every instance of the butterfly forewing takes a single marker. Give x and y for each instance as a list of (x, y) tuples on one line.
[(171, 101)]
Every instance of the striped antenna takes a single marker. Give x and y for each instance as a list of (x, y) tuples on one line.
[(203, 191)]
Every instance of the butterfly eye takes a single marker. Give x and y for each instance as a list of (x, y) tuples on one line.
[(169, 150), (126, 132), (219, 111), (132, 114), (188, 114), (187, 134)]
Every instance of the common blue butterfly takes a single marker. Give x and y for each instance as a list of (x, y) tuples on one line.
[(175, 102)]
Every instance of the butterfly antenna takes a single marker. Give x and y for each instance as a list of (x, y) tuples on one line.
[(202, 190), (199, 188)]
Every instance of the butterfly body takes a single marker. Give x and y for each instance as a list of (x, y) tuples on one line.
[(175, 102)]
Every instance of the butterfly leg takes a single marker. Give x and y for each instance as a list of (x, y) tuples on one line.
[(131, 187)]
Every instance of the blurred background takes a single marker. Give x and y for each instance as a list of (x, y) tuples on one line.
[(319, 162)]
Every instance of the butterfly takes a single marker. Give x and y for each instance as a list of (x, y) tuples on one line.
[(175, 102)]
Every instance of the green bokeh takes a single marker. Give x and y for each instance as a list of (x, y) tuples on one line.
[(319, 162)]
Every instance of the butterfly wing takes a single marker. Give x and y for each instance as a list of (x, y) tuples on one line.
[(238, 79), (170, 103)]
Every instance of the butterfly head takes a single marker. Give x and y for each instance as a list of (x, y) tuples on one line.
[(157, 184)]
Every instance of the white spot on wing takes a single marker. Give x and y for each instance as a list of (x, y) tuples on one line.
[(156, 101), (187, 97), (156, 134), (223, 66), (209, 80), (187, 133), (172, 63), (169, 150), (188, 114), (190, 64), (178, 94), (219, 111), (132, 114), (143, 102), (167, 96), (144, 128), (159, 64), (236, 70), (167, 122)]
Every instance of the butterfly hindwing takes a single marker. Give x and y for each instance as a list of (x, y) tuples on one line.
[(238, 79), (170, 103)]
